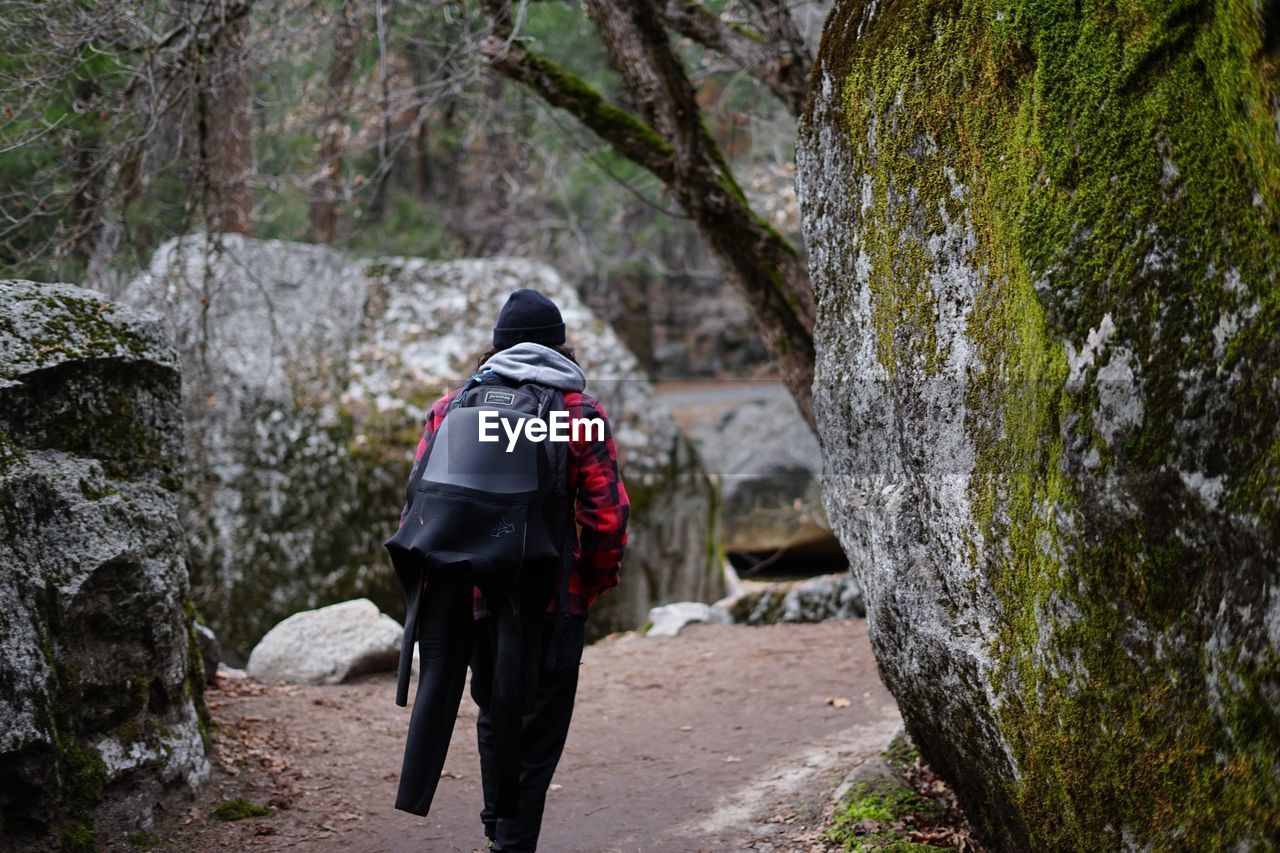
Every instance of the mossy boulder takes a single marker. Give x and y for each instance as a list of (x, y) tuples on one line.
[(308, 376), (99, 694), (1045, 241)]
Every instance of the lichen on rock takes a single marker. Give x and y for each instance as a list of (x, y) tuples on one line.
[(1045, 250), (99, 699)]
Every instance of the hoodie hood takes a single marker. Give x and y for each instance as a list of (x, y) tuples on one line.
[(530, 362)]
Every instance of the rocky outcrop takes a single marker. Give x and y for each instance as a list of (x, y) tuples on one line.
[(1044, 245), (328, 645), (308, 376), (769, 468), (815, 599), (99, 691)]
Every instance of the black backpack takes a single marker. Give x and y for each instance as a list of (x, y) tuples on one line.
[(483, 507), (499, 520)]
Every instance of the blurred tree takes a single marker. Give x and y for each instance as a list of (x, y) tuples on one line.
[(107, 105), (225, 117), (124, 123), (665, 132), (329, 184)]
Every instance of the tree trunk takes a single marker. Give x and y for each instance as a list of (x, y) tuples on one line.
[(668, 137), (328, 187), (420, 149), (226, 130)]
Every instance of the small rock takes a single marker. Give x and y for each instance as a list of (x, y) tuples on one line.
[(669, 619), (327, 646), (873, 774)]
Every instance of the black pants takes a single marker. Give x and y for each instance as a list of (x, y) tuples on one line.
[(545, 727)]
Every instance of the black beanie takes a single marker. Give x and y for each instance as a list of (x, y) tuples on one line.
[(528, 316)]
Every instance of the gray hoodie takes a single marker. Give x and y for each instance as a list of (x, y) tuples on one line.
[(530, 362)]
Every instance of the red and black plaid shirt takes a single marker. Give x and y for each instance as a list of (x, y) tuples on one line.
[(601, 507)]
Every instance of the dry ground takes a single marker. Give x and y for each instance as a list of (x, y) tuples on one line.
[(724, 738)]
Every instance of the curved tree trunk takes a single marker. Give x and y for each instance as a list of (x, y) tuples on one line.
[(667, 136), (226, 124)]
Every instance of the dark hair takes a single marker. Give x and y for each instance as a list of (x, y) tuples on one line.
[(564, 349)]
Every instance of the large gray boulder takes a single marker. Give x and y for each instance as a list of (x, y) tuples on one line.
[(768, 465), (309, 375), (1045, 242), (328, 645), (99, 692)]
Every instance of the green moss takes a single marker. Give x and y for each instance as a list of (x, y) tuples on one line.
[(11, 455), (77, 835), (1111, 159), (889, 804), (195, 678), (72, 325), (714, 542), (886, 804), (239, 808), (83, 772), (145, 840), (589, 106), (901, 753)]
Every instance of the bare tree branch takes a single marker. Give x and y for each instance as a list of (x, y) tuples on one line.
[(628, 135), (670, 139), (776, 57)]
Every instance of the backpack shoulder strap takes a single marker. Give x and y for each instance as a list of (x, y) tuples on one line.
[(559, 457), (559, 451), (549, 400)]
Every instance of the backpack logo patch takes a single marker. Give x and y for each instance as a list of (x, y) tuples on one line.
[(499, 398), (502, 528)]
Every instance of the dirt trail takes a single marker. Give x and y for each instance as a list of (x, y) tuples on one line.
[(724, 738)]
